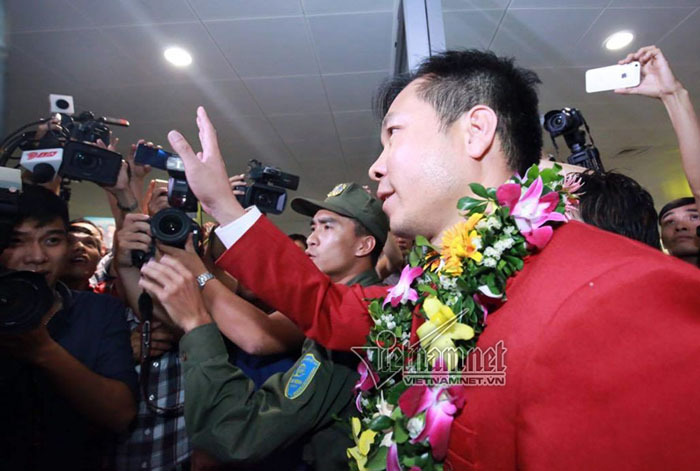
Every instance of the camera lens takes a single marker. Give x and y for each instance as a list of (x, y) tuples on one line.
[(171, 226), (24, 299), (557, 123), (85, 162)]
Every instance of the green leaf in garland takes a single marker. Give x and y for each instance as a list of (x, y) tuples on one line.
[(515, 261), (467, 203), (380, 423), (378, 461), (413, 258), (400, 434), (427, 289), (422, 241), (533, 173), (479, 190), (480, 208)]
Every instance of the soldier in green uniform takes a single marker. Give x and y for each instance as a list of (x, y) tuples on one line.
[(310, 404)]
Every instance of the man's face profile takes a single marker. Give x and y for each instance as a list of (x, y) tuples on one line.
[(419, 172), (37, 248), (332, 243), (85, 250), (679, 231)]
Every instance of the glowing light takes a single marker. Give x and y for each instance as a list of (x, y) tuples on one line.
[(178, 56), (618, 40)]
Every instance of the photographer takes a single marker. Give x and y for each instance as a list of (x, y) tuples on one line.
[(226, 416), (72, 383)]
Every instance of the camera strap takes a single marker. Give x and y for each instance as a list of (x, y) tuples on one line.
[(146, 311)]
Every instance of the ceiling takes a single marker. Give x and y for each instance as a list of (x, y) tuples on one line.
[(289, 82)]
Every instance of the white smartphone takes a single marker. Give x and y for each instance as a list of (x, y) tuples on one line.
[(612, 77)]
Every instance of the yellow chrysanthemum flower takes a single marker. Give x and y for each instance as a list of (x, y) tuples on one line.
[(460, 242)]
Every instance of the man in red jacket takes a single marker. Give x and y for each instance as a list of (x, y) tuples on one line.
[(601, 332)]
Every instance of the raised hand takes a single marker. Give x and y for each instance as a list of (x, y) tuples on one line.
[(657, 78), (134, 235), (206, 171)]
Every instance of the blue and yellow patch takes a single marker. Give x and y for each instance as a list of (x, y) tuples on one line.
[(302, 376)]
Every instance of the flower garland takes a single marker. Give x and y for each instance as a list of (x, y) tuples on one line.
[(404, 426)]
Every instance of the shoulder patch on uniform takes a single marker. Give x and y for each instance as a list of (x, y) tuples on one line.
[(301, 377), (337, 190)]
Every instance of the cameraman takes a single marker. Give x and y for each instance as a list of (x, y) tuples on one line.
[(72, 385)]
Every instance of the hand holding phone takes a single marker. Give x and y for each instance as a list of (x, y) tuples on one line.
[(613, 77)]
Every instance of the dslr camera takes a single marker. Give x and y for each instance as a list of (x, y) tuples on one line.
[(172, 225), (267, 189), (567, 122)]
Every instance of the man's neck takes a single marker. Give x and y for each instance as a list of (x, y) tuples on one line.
[(350, 274), (77, 284)]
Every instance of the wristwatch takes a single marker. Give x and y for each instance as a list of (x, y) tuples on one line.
[(203, 278)]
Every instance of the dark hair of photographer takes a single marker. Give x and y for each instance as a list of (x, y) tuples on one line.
[(617, 203), (41, 205), (299, 239)]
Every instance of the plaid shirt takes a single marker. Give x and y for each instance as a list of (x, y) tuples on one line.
[(157, 443)]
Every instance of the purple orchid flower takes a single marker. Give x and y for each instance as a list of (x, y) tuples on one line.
[(531, 210), (402, 291), (368, 380), (440, 404)]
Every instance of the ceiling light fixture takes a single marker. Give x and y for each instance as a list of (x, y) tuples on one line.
[(618, 40), (178, 56)]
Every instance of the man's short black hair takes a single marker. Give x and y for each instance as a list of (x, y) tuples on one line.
[(84, 221), (41, 205), (675, 204), (617, 203), (361, 231), (456, 81)]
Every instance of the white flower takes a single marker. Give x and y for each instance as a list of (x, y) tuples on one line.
[(510, 230), (492, 252), (481, 225), (477, 243), (383, 407), (494, 223), (415, 426), (390, 325), (387, 441), (448, 282), (365, 402), (489, 262), (370, 355)]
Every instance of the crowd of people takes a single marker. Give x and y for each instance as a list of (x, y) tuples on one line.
[(236, 352)]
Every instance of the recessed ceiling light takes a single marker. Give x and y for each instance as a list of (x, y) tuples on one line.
[(178, 56), (618, 40)]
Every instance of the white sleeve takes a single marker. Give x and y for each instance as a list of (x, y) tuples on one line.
[(231, 232)]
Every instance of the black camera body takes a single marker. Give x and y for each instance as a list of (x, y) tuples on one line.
[(268, 188), (172, 227), (85, 127), (567, 122), (180, 194)]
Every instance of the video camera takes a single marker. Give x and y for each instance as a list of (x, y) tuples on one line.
[(24, 296), (267, 190), (171, 225), (66, 148), (567, 122)]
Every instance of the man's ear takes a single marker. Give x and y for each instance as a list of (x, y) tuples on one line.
[(478, 127), (365, 246)]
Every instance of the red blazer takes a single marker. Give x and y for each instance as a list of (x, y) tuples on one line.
[(603, 351)]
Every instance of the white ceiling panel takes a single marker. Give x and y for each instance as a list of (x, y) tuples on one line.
[(143, 48), (681, 45), (353, 42), (269, 47), (233, 9), (540, 38), (356, 124), (135, 12), (314, 149), (289, 94), (648, 27), (361, 145), (516, 4), (471, 28), (55, 15), (474, 4), (351, 92), (310, 126), (316, 7)]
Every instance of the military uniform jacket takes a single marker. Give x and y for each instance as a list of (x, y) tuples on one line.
[(602, 337), (309, 405)]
